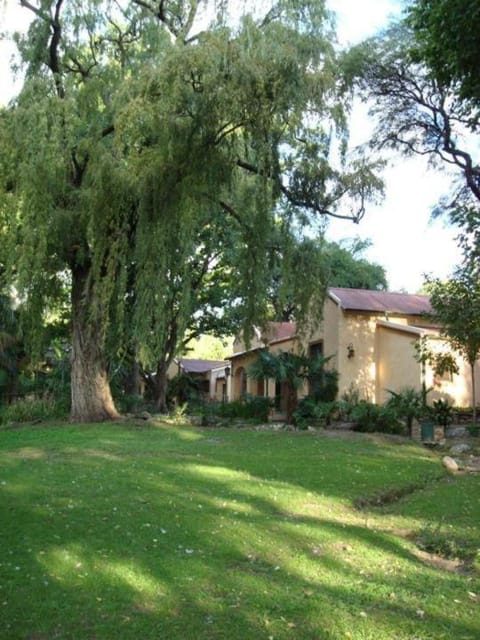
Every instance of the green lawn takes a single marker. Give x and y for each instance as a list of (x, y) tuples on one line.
[(121, 531)]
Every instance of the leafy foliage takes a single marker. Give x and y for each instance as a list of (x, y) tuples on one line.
[(311, 412), (347, 267), (144, 151), (370, 418), (255, 408), (407, 404), (294, 370), (442, 412), (33, 410), (446, 39)]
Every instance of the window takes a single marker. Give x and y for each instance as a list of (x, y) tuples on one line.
[(315, 350)]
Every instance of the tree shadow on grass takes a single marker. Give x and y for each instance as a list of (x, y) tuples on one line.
[(177, 546)]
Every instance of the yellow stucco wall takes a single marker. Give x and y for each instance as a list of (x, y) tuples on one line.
[(457, 388), (358, 372), (384, 357), (396, 366)]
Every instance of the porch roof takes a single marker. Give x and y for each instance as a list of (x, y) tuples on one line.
[(194, 365)]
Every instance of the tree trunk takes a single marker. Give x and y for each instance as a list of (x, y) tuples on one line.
[(474, 404), (292, 402), (91, 396), (134, 381), (160, 387)]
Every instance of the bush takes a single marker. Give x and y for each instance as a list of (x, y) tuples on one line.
[(370, 418), (442, 412), (325, 386), (26, 410), (474, 429), (407, 404), (310, 411), (249, 408)]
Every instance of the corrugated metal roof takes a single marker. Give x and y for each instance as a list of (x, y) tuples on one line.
[(192, 365), (380, 301)]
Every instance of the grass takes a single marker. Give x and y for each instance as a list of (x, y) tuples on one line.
[(117, 531)]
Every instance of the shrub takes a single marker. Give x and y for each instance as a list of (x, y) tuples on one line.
[(249, 408), (474, 429), (442, 412), (26, 410), (407, 404), (369, 418), (310, 411), (325, 385)]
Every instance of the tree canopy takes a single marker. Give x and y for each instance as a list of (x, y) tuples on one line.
[(446, 39), (138, 124)]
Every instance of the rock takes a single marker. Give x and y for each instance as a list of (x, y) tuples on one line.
[(473, 464), (460, 448), (449, 464), (455, 432), (144, 415)]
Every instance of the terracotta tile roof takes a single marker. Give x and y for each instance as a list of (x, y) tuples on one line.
[(380, 301), (192, 365)]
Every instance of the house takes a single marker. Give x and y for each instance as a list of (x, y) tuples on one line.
[(211, 376), (371, 338)]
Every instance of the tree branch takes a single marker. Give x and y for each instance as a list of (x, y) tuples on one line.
[(304, 203)]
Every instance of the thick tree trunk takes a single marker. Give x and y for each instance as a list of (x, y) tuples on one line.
[(91, 396)]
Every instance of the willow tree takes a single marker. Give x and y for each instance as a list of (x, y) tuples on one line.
[(139, 119)]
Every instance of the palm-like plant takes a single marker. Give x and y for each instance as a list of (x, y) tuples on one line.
[(408, 403), (290, 369)]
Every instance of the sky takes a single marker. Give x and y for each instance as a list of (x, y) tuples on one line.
[(405, 241)]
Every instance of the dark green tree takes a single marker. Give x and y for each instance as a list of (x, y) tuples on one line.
[(133, 126), (328, 264), (446, 40), (347, 266)]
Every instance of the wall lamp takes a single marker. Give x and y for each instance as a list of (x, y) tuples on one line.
[(350, 351), (227, 372)]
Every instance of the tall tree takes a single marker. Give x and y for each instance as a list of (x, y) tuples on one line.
[(347, 266), (456, 305), (133, 125), (328, 264)]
